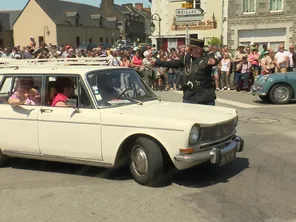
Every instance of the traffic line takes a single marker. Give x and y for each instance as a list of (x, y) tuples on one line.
[(245, 105), (229, 102), (237, 104)]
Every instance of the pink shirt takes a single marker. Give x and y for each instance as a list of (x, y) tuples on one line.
[(59, 98), (137, 61), (254, 62)]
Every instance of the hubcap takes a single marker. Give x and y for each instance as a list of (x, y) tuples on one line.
[(139, 160), (281, 93)]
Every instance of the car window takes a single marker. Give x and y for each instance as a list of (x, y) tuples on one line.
[(118, 87), (64, 88), (22, 90), (5, 89)]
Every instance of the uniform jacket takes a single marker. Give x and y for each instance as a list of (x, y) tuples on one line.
[(197, 71)]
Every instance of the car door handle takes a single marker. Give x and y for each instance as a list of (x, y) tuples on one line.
[(46, 110)]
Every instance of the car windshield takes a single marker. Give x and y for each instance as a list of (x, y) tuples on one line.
[(119, 87)]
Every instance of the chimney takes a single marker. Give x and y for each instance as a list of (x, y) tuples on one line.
[(107, 4), (139, 6)]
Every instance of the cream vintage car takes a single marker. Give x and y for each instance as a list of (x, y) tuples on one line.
[(113, 118)]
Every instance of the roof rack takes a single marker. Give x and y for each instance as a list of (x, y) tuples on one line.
[(17, 63)]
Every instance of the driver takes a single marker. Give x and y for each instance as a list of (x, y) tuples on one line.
[(106, 88)]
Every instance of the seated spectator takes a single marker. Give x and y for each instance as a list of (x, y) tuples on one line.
[(65, 89)]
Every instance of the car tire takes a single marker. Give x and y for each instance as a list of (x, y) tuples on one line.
[(3, 159), (281, 94), (146, 162), (264, 98)]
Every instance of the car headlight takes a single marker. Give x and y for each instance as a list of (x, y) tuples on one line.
[(194, 135)]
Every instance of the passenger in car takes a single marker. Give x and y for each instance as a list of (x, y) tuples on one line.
[(34, 97), (65, 89), (21, 95)]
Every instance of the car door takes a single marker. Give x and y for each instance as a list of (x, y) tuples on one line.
[(68, 133), (18, 123)]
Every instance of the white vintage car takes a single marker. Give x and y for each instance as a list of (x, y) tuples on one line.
[(111, 118)]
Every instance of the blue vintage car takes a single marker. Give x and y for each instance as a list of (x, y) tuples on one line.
[(278, 88)]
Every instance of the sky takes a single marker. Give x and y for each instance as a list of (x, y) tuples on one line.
[(20, 4)]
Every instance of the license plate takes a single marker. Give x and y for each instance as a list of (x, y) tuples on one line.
[(227, 157)]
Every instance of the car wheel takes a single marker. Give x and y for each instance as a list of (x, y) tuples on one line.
[(264, 98), (281, 94), (3, 159), (146, 162)]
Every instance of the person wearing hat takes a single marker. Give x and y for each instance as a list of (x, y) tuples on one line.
[(198, 86), (267, 64)]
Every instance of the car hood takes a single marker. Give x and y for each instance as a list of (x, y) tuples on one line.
[(201, 114)]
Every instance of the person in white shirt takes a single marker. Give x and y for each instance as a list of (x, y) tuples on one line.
[(292, 59), (282, 59), (225, 72)]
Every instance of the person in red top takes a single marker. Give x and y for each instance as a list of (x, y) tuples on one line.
[(65, 88), (137, 62)]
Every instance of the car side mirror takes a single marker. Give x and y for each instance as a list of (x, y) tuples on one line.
[(73, 103)]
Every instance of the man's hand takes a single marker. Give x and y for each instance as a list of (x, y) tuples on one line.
[(152, 62), (211, 61)]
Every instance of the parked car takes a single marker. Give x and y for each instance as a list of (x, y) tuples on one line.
[(113, 118), (277, 88)]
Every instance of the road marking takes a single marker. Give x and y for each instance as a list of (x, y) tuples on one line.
[(245, 105), (237, 104)]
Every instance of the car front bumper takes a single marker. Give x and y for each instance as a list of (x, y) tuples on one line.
[(214, 154)]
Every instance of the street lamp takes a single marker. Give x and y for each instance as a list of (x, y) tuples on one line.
[(156, 17)]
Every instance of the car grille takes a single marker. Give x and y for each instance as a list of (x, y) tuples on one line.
[(218, 132)]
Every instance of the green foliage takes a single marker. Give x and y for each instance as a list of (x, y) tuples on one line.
[(215, 41)]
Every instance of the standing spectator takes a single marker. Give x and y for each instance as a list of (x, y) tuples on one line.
[(253, 58), (292, 59), (27, 53), (243, 70), (215, 70), (267, 64), (282, 59), (148, 72), (136, 63), (225, 72), (32, 42), (124, 61)]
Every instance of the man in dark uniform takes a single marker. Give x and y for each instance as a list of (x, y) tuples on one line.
[(199, 86)]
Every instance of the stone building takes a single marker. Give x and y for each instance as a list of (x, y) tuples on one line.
[(131, 22), (172, 31), (7, 18), (268, 22), (61, 22)]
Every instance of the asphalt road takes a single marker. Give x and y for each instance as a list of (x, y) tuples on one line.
[(260, 185)]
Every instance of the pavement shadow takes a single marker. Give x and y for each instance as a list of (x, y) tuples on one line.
[(197, 177), (207, 174), (71, 169), (259, 101)]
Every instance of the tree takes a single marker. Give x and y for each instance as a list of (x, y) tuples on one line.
[(215, 41)]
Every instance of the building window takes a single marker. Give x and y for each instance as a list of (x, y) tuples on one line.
[(101, 23), (101, 40), (249, 6), (112, 41), (107, 41), (276, 5), (77, 21)]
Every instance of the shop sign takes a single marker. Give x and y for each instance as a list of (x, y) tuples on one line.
[(201, 25)]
